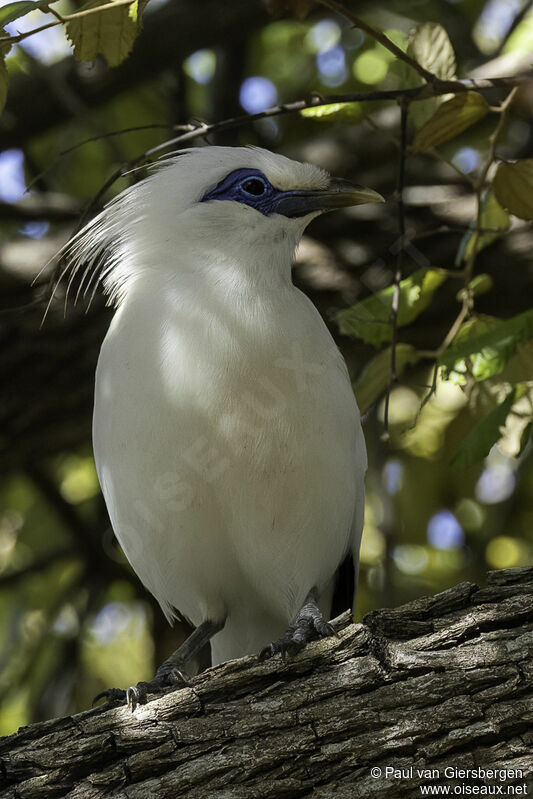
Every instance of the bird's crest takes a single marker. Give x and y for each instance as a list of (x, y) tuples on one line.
[(105, 251)]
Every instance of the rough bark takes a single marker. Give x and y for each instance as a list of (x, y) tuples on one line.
[(442, 682)]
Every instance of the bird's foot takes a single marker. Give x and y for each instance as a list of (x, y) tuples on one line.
[(308, 626), (165, 677)]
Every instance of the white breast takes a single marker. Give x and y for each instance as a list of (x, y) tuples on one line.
[(230, 453)]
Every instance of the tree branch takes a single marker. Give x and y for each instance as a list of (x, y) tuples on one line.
[(413, 95), (444, 682), (202, 130)]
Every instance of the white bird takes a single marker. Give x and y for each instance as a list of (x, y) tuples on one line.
[(227, 438)]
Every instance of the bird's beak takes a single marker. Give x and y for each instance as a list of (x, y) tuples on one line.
[(339, 193)]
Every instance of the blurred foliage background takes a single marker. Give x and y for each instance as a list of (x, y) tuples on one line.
[(74, 619)]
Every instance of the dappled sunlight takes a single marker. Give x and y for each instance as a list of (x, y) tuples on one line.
[(449, 484), (426, 439)]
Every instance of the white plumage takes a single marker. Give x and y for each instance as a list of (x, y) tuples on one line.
[(226, 434)]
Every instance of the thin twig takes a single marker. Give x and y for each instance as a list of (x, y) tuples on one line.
[(380, 37), (415, 94), (404, 107), (468, 270), (196, 131), (201, 130), (495, 136), (480, 184)]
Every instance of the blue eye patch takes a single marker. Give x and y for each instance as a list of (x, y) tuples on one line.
[(248, 186), (251, 187)]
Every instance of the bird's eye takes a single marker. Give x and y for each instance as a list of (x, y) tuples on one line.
[(254, 186)]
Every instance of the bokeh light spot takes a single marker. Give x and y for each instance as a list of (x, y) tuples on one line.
[(469, 514), (370, 67), (466, 159), (410, 558), (352, 38), (12, 183), (393, 476), (496, 484), (332, 66), (35, 230), (257, 93), (444, 531), (494, 22), (372, 545), (200, 66), (79, 481), (503, 552), (114, 618), (323, 36)]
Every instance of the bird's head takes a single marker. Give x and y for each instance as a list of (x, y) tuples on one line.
[(208, 206)]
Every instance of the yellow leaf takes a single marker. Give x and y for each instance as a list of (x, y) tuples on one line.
[(450, 119), (513, 186), (335, 112), (110, 32), (430, 45)]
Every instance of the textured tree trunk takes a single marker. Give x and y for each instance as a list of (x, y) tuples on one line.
[(441, 685)]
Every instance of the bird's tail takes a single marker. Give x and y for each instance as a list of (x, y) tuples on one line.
[(344, 590)]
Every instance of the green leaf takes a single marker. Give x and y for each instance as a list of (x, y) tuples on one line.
[(481, 284), (494, 222), (12, 11), (480, 364), (374, 379), (430, 45), (370, 321), (449, 120), (490, 350), (335, 112), (513, 186), (483, 435), (111, 32)]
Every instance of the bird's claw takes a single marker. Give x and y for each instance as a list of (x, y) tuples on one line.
[(111, 695), (136, 695), (308, 626)]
